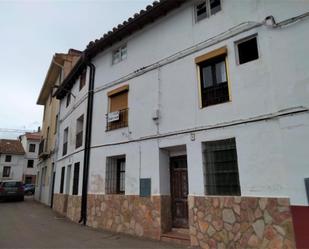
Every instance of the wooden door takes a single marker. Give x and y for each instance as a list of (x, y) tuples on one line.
[(179, 191)]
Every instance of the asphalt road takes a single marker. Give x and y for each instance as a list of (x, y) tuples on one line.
[(29, 224)]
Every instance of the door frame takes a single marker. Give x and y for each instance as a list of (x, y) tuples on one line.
[(171, 189)]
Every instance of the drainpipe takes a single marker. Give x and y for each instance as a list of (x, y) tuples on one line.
[(83, 217)]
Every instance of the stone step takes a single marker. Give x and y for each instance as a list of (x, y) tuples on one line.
[(177, 236)]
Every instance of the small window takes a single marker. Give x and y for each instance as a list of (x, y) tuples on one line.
[(115, 175), (65, 141), (62, 180), (75, 179), (82, 80), (68, 99), (56, 124), (8, 158), (221, 169), (247, 50), (31, 147), (6, 171), (30, 163), (79, 131), (119, 54), (206, 8), (117, 116), (213, 78)]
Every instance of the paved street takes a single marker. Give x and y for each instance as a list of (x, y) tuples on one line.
[(31, 225)]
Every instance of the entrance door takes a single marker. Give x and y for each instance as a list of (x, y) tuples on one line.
[(179, 191)]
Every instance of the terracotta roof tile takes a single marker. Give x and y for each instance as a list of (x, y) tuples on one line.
[(8, 146), (33, 136)]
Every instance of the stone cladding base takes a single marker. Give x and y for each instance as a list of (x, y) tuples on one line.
[(240, 222)]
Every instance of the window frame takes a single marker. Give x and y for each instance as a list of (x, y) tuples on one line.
[(65, 141), (242, 40), (118, 51), (31, 166), (5, 169), (6, 158), (34, 146), (227, 144), (113, 174), (62, 176), (79, 133), (212, 57), (208, 13), (68, 99), (75, 182)]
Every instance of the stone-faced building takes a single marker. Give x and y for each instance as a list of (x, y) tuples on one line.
[(11, 160), (190, 122)]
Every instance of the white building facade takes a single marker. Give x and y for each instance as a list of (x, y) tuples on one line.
[(12, 160), (200, 122), (30, 143)]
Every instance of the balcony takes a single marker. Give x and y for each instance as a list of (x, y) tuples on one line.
[(79, 139), (116, 120), (43, 153)]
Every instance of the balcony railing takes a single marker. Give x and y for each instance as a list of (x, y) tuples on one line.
[(43, 149), (79, 139), (119, 119)]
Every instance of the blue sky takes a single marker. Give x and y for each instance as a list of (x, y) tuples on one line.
[(31, 32)]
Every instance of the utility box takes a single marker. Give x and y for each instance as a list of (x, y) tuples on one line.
[(145, 187)]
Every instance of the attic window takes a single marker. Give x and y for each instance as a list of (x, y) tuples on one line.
[(120, 54), (247, 49), (206, 8)]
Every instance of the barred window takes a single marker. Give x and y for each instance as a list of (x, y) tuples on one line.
[(221, 169), (115, 175)]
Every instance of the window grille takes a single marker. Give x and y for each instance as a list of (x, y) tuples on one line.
[(221, 169), (115, 175)]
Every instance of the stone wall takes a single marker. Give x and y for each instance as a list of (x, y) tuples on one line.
[(130, 214), (60, 203), (240, 222), (74, 207)]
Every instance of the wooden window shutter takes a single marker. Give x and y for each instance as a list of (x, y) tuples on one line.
[(118, 99)]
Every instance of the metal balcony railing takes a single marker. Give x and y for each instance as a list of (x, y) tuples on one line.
[(116, 120)]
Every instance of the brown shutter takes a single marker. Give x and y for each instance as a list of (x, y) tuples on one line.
[(118, 98), (210, 55)]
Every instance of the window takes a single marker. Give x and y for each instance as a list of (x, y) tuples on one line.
[(79, 131), (118, 108), (65, 141), (75, 179), (6, 171), (119, 54), (8, 158), (115, 175), (30, 163), (56, 124), (213, 77), (31, 147), (62, 180), (221, 169), (28, 179), (206, 8), (44, 170), (82, 80), (247, 49), (68, 99)]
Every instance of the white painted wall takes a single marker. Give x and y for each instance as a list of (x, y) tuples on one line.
[(16, 164), (272, 155), (30, 155), (68, 118)]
